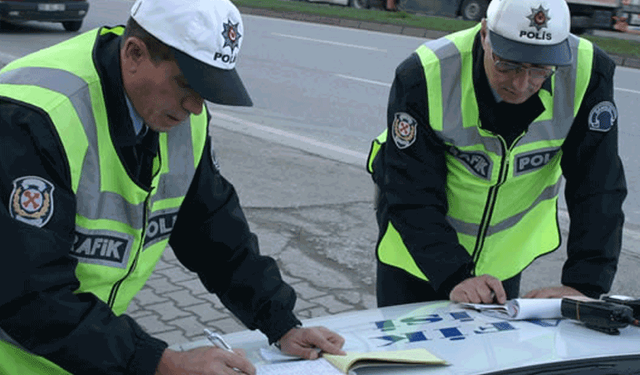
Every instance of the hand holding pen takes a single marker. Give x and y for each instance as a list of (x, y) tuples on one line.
[(218, 341)]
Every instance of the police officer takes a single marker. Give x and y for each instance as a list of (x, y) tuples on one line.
[(482, 125), (106, 160)]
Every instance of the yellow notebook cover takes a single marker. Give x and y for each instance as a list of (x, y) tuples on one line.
[(354, 360)]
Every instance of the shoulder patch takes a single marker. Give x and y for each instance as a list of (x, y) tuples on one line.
[(405, 128), (32, 200), (602, 116)]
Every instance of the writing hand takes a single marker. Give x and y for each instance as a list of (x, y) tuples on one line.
[(304, 342), (204, 361)]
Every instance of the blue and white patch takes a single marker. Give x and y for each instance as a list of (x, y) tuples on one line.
[(31, 200), (602, 116), (405, 129)]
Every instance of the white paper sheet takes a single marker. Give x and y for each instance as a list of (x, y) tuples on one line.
[(303, 367)]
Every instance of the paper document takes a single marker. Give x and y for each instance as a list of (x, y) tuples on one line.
[(302, 367), (272, 354), (522, 308)]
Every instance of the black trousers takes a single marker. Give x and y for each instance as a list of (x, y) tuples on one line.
[(395, 287)]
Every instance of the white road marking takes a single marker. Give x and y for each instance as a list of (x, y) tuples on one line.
[(330, 42)]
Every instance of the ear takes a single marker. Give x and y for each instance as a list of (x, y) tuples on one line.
[(133, 54), (483, 34)]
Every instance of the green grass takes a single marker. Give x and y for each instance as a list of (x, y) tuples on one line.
[(615, 46)]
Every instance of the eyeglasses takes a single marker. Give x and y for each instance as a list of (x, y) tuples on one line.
[(508, 67)]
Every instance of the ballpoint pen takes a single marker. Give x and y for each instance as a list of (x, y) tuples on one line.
[(217, 340)]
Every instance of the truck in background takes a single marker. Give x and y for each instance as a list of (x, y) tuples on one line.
[(630, 13), (593, 14), (585, 14)]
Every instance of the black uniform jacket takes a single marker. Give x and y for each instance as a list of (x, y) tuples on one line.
[(38, 307), (412, 180)]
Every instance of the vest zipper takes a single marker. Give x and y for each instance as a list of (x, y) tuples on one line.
[(114, 291), (491, 200), (147, 208)]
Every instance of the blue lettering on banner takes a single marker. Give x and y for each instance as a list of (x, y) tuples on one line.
[(545, 323), (392, 339), (416, 336), (385, 325), (494, 327), (461, 316), (452, 333), (432, 318)]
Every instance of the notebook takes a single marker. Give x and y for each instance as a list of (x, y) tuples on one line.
[(337, 365)]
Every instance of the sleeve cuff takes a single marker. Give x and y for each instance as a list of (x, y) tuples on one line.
[(147, 355), (456, 278), (280, 326)]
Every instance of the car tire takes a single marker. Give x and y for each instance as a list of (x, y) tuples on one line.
[(72, 25), (473, 10), (359, 4), (4, 25)]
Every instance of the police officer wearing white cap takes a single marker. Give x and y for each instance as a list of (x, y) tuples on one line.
[(105, 160), (482, 126)]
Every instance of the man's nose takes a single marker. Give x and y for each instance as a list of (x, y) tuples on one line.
[(520, 80), (193, 103)]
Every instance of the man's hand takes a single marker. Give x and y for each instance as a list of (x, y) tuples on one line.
[(204, 361), (304, 342), (479, 289), (553, 292)]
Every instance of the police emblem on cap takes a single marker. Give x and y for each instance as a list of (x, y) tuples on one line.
[(32, 200), (231, 35), (539, 17), (602, 116), (405, 128)]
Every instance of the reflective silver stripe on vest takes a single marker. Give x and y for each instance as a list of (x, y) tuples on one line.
[(181, 164), (563, 103), (453, 131), (471, 229), (56, 80), (92, 203), (77, 91), (450, 66)]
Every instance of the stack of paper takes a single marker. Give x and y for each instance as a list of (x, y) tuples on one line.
[(522, 308)]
